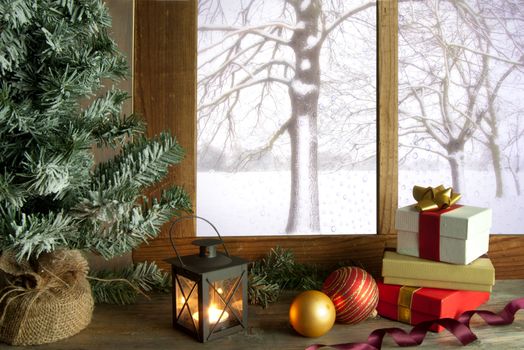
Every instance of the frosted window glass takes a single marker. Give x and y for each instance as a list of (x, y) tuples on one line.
[(287, 116), (461, 88)]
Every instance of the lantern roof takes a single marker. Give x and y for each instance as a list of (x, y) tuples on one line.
[(198, 264)]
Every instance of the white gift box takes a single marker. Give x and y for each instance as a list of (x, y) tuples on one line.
[(464, 233)]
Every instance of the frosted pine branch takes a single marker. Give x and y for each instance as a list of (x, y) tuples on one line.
[(113, 228), (11, 194), (140, 163), (32, 235), (123, 286)]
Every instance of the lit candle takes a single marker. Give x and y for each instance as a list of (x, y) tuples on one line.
[(180, 302), (214, 315)]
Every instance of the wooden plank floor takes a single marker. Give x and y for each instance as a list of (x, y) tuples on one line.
[(147, 325)]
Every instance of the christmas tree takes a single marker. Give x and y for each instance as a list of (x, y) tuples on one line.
[(54, 57)]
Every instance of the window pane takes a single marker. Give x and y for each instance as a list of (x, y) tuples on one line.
[(461, 82), (286, 116)]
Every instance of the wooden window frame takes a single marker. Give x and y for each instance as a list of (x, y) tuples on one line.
[(164, 92)]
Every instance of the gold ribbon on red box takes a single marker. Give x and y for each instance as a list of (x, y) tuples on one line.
[(434, 198), (405, 303)]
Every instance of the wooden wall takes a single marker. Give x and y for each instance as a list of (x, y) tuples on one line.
[(164, 86), (506, 251)]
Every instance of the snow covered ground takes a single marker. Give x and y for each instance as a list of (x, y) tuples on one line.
[(257, 203)]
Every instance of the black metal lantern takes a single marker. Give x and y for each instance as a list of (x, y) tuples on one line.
[(212, 284)]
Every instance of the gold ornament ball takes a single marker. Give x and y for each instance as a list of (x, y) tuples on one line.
[(312, 313)]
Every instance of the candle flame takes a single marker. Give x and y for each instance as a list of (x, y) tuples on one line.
[(214, 314)]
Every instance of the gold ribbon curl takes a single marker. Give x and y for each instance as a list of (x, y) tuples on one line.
[(434, 198)]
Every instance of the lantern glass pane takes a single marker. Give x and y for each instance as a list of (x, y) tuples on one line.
[(237, 306), (225, 304), (186, 302)]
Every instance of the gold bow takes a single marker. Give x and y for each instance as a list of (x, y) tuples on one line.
[(431, 199)]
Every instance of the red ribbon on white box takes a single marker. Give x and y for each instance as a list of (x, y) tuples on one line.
[(429, 233)]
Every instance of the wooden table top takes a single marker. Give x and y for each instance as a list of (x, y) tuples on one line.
[(147, 325)]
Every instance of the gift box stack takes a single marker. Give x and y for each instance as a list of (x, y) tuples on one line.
[(440, 268)]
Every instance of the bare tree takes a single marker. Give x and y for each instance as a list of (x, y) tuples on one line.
[(487, 23), (455, 58), (261, 60), (512, 151)]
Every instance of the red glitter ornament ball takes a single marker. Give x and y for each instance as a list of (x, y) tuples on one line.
[(354, 293)]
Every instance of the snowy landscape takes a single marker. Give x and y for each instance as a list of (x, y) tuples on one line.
[(257, 203)]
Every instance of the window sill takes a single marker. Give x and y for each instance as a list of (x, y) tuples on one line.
[(147, 325)]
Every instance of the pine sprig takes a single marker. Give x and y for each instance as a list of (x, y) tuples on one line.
[(17, 14), (112, 228), (140, 164), (173, 202), (125, 285), (10, 194), (261, 291), (109, 128), (35, 234), (278, 271)]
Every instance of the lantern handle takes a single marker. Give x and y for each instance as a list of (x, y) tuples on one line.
[(186, 217)]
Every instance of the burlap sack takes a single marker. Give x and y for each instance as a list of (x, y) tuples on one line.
[(46, 302)]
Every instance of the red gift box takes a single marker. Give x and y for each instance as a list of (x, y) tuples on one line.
[(413, 305)]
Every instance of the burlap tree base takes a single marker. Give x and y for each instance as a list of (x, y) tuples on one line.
[(46, 302)]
